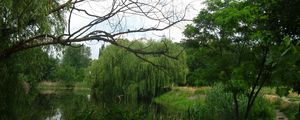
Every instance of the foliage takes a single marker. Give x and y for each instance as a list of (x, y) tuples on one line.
[(121, 73), (196, 75), (73, 64), (218, 105), (282, 91), (180, 100), (287, 73), (66, 74), (19, 76), (245, 46), (23, 19), (290, 111), (76, 56)]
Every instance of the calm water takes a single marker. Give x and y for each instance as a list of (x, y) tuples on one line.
[(80, 106)]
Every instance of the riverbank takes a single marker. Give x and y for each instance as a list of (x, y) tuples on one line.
[(182, 98), (54, 87)]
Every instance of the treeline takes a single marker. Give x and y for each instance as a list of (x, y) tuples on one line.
[(71, 67), (21, 73), (67, 65)]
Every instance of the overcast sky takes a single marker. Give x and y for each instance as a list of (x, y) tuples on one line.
[(100, 6)]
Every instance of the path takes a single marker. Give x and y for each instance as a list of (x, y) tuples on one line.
[(280, 115)]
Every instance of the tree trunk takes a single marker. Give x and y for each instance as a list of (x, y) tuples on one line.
[(247, 112), (297, 116), (236, 107)]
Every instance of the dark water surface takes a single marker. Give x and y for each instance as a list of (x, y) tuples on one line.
[(80, 106)]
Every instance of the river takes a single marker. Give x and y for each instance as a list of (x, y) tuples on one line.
[(68, 105)]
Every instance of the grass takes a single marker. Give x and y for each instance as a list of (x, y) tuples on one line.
[(287, 104), (182, 98), (268, 91), (290, 110), (50, 85), (294, 98)]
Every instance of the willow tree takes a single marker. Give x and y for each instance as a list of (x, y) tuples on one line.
[(120, 74), (20, 20)]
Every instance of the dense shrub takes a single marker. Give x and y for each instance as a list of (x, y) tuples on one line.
[(262, 109), (219, 106), (290, 111), (282, 91)]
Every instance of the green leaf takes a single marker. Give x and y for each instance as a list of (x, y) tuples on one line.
[(285, 52)]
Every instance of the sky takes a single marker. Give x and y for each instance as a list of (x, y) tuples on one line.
[(100, 7)]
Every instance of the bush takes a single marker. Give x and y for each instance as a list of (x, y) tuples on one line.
[(290, 111), (219, 106), (262, 109), (282, 91)]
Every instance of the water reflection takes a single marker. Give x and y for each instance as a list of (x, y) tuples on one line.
[(70, 105)]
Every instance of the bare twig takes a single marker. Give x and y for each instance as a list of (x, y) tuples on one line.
[(155, 10)]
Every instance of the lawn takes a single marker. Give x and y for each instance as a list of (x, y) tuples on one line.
[(182, 98)]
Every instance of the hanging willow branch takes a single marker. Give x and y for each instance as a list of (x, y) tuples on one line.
[(134, 76)]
